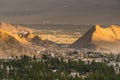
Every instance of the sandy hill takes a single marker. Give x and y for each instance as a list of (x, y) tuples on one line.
[(13, 45), (10, 46), (14, 29), (100, 39)]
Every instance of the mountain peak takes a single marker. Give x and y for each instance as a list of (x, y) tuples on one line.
[(14, 29), (8, 27), (97, 27), (5, 24), (2, 23)]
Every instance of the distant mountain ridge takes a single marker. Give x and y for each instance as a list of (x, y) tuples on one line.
[(100, 39), (38, 41)]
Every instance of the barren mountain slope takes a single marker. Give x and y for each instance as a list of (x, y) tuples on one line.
[(100, 39), (9, 46)]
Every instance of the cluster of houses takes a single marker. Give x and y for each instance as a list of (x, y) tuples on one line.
[(77, 56), (88, 58)]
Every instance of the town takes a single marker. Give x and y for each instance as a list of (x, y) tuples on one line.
[(67, 64)]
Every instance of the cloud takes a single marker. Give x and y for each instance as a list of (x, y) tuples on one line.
[(61, 11)]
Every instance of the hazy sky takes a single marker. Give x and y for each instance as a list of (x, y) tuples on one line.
[(60, 11)]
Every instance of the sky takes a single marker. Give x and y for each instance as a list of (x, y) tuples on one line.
[(60, 11)]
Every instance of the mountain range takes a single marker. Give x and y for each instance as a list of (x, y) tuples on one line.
[(18, 40)]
